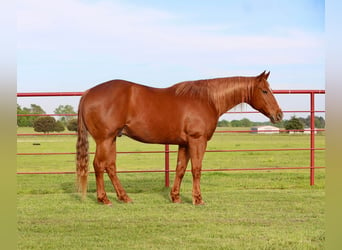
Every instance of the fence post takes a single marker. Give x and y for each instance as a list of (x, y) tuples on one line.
[(167, 165), (312, 138)]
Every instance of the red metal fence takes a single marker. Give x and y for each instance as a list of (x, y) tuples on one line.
[(167, 150)]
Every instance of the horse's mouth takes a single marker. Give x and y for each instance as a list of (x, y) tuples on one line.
[(276, 118)]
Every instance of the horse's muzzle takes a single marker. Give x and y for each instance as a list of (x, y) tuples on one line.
[(277, 117)]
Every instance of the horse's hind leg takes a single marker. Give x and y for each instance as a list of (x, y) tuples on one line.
[(105, 159), (182, 162), (111, 171), (99, 167)]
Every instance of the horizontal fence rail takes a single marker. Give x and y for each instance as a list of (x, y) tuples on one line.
[(167, 150)]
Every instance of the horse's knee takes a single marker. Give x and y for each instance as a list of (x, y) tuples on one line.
[(196, 173), (111, 169), (180, 174), (98, 165)]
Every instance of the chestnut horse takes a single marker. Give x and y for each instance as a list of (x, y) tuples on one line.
[(185, 114)]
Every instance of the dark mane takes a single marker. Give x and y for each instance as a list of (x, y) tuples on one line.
[(215, 91)]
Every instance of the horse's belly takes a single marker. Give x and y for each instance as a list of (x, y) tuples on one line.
[(152, 133)]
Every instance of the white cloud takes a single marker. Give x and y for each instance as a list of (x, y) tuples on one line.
[(71, 44), (145, 34), (69, 24)]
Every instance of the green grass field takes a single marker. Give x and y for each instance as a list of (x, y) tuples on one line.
[(244, 209), (228, 141)]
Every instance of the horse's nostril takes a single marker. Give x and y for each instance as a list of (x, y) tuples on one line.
[(280, 116)]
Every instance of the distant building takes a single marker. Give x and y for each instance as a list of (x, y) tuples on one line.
[(305, 131), (265, 129)]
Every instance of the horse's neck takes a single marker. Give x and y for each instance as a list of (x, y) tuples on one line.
[(232, 94)]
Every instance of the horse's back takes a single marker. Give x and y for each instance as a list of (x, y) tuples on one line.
[(109, 87)]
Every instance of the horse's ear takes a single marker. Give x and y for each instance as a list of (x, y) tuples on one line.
[(264, 75), (267, 74)]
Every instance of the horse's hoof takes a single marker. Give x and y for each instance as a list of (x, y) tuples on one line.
[(198, 202), (107, 203), (128, 200), (176, 201), (125, 199), (104, 201), (175, 198)]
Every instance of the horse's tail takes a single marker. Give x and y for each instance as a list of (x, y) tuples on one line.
[(82, 148)]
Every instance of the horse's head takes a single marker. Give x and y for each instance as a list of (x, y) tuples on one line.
[(263, 99)]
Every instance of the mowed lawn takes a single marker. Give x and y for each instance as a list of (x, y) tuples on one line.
[(275, 209)]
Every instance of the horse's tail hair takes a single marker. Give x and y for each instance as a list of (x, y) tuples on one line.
[(82, 148)]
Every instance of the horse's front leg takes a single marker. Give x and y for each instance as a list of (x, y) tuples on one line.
[(182, 162), (197, 149)]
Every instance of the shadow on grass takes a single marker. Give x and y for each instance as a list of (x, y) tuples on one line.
[(133, 184)]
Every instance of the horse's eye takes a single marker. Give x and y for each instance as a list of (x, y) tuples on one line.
[(264, 91)]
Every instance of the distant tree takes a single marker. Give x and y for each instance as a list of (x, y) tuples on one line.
[(223, 123), (305, 121), (293, 124), (297, 123), (59, 127), (319, 122), (278, 125), (44, 124), (65, 109), (22, 121), (36, 109), (245, 122), (235, 123), (27, 121), (72, 125)]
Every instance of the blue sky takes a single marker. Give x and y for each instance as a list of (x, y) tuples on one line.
[(72, 45)]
